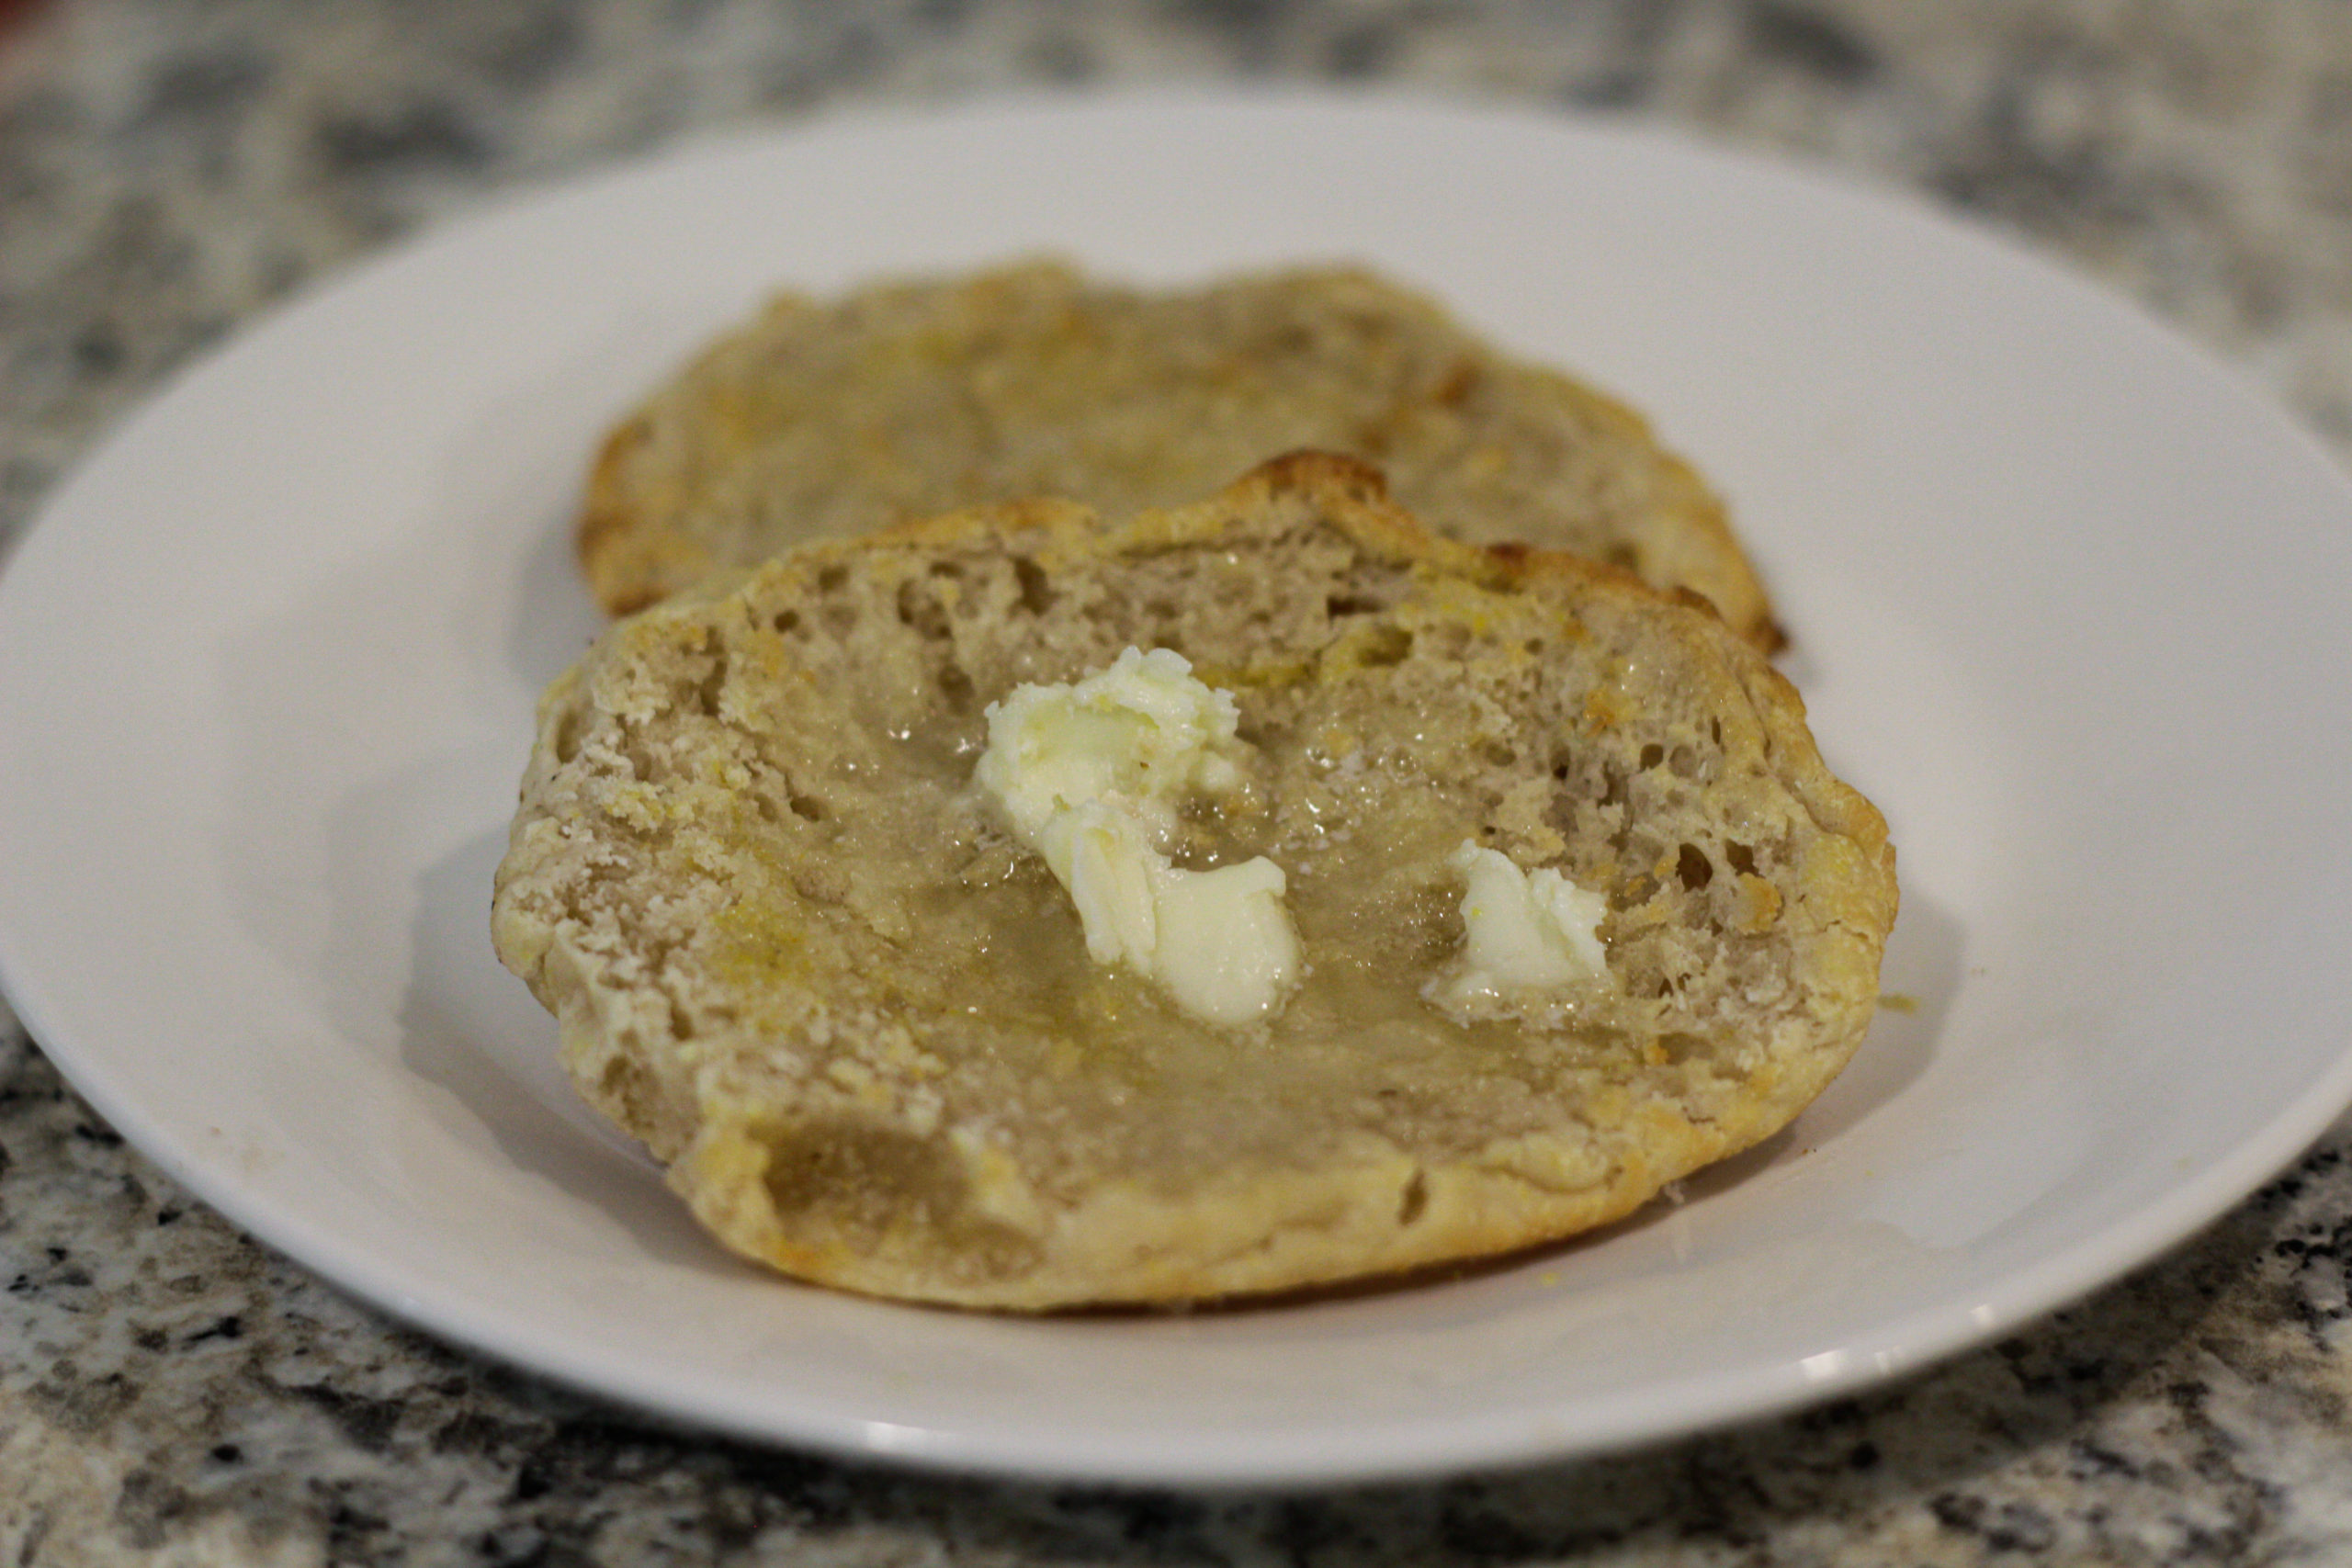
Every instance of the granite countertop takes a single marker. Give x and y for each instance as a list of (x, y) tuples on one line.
[(170, 1392)]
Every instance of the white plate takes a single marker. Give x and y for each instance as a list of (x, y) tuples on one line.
[(2069, 604)]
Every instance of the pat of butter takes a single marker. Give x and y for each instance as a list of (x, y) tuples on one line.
[(1520, 932), (1220, 941), (1089, 776), (1142, 732)]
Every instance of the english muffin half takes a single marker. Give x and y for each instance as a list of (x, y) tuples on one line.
[(903, 400), (804, 943)]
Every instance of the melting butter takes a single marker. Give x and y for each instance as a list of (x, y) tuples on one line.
[(1090, 774), (1521, 932)]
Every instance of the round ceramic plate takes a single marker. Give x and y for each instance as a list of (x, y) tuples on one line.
[(2068, 604)]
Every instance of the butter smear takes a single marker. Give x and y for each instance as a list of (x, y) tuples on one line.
[(1090, 774)]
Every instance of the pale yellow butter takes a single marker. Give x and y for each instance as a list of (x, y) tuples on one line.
[(1520, 932), (1089, 776), (1142, 732)]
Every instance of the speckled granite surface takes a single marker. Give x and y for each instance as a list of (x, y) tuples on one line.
[(171, 1392)]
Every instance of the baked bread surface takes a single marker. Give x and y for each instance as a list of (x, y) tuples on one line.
[(792, 949), (906, 400)]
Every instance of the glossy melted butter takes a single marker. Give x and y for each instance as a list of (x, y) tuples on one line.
[(1062, 1049), (1091, 775)]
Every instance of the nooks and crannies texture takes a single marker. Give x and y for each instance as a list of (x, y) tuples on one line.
[(905, 400), (795, 952)]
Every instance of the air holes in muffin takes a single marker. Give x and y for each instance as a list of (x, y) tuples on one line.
[(833, 578), (1681, 1048), (1339, 605), (807, 808), (1694, 868), (1386, 646), (1037, 593), (567, 736), (625, 1085), (706, 692), (787, 622), (956, 688), (1651, 755), (921, 612), (1499, 754), (1742, 858), (1414, 1200)]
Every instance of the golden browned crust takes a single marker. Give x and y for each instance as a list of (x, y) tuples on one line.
[(749, 881), (907, 400)]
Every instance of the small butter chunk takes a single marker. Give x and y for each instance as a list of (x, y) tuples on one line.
[(1089, 776), (1142, 730), (1521, 932), (1227, 951), (1109, 866)]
